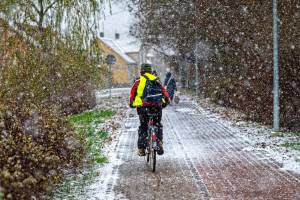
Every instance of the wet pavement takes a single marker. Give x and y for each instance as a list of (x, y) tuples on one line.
[(203, 160)]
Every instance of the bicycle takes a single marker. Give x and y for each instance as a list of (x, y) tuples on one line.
[(152, 141)]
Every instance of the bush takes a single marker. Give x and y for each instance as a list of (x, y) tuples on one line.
[(38, 89), (250, 96), (36, 145)]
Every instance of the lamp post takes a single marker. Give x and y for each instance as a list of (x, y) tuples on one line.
[(276, 111), (197, 69)]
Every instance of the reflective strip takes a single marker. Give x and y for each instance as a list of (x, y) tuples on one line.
[(138, 99), (155, 95)]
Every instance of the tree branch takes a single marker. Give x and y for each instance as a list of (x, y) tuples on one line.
[(34, 7), (50, 6)]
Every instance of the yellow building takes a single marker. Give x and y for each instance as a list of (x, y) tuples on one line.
[(125, 69)]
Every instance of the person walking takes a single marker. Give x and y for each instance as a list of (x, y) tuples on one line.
[(170, 85)]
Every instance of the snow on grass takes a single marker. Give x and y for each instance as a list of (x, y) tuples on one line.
[(97, 181), (102, 187)]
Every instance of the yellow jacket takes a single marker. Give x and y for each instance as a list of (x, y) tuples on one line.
[(140, 89)]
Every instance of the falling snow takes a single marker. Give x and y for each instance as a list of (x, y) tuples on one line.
[(221, 53)]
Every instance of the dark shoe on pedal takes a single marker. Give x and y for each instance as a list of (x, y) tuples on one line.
[(161, 149), (141, 152)]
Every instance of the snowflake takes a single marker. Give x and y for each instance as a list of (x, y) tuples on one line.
[(292, 46), (245, 9)]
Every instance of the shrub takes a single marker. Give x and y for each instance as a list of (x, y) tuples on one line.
[(37, 90), (36, 145)]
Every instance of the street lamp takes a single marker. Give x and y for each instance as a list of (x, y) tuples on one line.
[(197, 69), (276, 119)]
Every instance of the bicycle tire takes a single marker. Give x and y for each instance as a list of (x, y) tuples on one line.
[(148, 157), (153, 160)]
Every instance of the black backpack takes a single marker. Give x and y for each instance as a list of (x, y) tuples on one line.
[(153, 91)]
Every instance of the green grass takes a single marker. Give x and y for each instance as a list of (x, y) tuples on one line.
[(292, 145), (92, 139), (297, 133), (86, 118)]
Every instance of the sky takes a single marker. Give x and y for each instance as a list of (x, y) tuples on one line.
[(116, 20)]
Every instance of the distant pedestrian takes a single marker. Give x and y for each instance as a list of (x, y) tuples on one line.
[(170, 85)]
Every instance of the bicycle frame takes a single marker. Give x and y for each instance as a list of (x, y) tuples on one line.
[(152, 128)]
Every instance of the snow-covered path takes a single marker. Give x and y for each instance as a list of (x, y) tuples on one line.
[(203, 160)]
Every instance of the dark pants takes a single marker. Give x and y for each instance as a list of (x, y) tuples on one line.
[(144, 119), (171, 93)]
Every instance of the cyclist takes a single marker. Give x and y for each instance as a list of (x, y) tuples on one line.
[(148, 95)]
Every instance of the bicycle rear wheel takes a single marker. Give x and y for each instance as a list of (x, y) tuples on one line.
[(148, 157), (153, 160)]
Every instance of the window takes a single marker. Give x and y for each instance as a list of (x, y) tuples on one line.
[(102, 34)]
